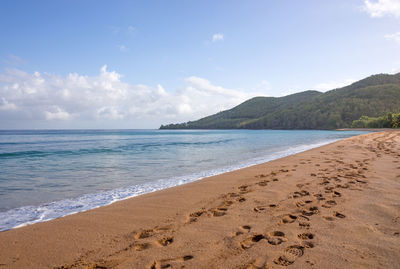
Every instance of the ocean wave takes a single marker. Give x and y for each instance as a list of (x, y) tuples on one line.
[(117, 150)]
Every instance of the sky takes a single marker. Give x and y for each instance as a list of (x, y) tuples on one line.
[(70, 64)]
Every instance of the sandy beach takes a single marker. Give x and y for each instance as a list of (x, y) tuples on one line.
[(337, 206)]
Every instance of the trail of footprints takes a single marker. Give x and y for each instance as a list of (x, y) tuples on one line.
[(309, 204), (168, 263), (228, 200), (232, 198), (289, 254)]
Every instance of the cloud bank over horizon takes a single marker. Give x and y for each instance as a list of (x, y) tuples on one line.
[(42, 100)]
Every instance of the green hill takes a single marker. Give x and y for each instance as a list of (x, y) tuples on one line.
[(373, 96)]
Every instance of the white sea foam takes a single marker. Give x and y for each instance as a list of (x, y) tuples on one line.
[(26, 215)]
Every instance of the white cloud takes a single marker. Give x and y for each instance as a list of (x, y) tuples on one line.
[(5, 105), (217, 37), (381, 8), (184, 108), (108, 112), (104, 100), (58, 114), (395, 37), (395, 70), (122, 48), (326, 86), (204, 87)]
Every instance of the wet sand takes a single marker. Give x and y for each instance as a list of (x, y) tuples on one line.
[(337, 206)]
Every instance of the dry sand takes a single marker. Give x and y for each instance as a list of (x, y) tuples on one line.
[(336, 206)]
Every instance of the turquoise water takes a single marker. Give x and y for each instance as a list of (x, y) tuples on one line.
[(49, 174)]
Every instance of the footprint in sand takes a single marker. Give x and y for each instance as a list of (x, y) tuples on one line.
[(325, 182), (194, 216), (304, 225), (294, 251), (165, 241), (301, 193), (336, 194), (283, 261), (243, 189), (169, 263), (144, 234), (227, 203), (162, 228), (101, 265), (290, 255), (276, 238), (339, 215), (250, 241), (231, 195), (237, 196), (243, 229), (303, 203), (329, 204), (135, 246), (142, 246), (307, 244), (219, 212), (241, 199), (310, 211), (305, 236), (260, 209), (303, 218), (263, 183), (288, 219)]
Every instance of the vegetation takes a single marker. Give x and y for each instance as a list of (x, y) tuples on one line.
[(386, 121), (372, 97)]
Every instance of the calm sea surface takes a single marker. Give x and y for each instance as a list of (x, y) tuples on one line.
[(49, 174)]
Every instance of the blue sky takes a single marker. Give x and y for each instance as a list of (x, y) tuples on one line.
[(138, 64)]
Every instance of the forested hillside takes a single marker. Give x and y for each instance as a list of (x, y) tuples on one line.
[(373, 96)]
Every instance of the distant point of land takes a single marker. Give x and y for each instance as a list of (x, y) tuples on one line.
[(373, 96)]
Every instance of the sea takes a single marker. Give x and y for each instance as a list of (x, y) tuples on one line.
[(47, 174)]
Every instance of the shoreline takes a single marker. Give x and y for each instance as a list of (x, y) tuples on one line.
[(367, 129), (51, 207), (267, 214)]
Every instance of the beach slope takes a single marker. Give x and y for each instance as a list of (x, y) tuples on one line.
[(337, 206)]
